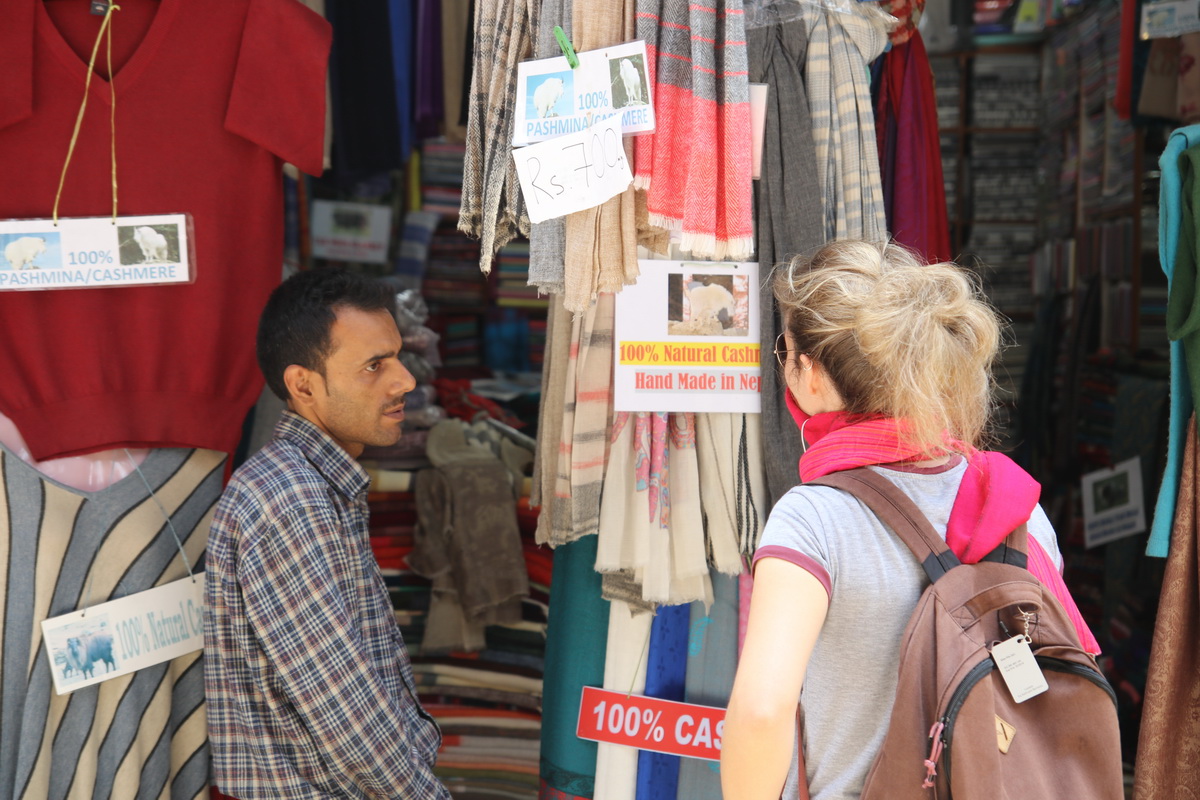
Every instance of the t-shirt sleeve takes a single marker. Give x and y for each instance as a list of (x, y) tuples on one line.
[(1041, 529), (794, 533), (278, 96)]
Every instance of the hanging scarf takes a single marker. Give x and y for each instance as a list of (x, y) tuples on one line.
[(695, 167), (995, 496), (492, 209), (840, 46)]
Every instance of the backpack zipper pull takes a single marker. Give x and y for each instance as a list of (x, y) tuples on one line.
[(935, 752)]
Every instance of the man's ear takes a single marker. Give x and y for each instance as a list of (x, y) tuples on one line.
[(300, 383)]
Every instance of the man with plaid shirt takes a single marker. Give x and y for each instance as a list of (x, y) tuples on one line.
[(309, 686)]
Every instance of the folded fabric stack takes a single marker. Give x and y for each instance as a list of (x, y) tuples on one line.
[(513, 289), (441, 177), (489, 703)]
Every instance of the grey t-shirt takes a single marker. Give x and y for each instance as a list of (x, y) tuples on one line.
[(874, 582)]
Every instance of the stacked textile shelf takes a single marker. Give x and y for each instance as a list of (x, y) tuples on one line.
[(1005, 91), (513, 289), (452, 276), (458, 295), (1058, 154), (946, 73), (1005, 182), (393, 520), (488, 704), (1106, 149), (1004, 252), (537, 343), (1105, 252), (441, 177)]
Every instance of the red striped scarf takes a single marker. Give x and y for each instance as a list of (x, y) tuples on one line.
[(994, 498), (695, 167)]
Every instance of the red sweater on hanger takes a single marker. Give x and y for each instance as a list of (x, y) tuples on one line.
[(211, 99)]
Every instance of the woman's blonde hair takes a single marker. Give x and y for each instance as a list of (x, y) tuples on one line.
[(897, 337)]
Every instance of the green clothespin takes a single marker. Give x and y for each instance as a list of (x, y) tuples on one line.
[(565, 44)]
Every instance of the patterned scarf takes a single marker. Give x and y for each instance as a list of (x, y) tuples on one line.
[(492, 208), (995, 496), (695, 168), (840, 46)]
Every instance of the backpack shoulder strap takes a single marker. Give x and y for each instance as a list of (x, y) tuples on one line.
[(896, 510), (900, 513)]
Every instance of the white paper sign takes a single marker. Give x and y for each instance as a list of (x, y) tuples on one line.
[(93, 252), (125, 635), (1113, 507), (554, 100), (356, 232), (1170, 18), (686, 339), (573, 172)]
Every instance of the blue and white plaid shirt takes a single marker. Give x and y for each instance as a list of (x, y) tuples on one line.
[(310, 690)]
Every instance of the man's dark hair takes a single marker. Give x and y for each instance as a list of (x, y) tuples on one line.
[(295, 324)]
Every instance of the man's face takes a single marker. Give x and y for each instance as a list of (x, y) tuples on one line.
[(360, 401)]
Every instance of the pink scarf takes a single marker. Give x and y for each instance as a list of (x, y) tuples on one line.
[(995, 496)]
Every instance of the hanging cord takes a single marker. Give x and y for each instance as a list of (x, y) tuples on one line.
[(170, 524), (87, 589), (105, 28)]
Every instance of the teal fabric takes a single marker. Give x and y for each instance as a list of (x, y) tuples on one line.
[(576, 643), (1170, 206), (712, 660)]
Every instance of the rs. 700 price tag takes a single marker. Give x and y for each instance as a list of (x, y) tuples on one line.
[(648, 723)]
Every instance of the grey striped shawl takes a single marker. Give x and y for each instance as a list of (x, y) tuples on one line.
[(840, 45)]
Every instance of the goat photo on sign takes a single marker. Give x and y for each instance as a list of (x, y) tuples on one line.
[(39, 250), (549, 96), (628, 75), (148, 244)]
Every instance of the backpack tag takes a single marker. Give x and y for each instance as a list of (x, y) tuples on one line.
[(1019, 669)]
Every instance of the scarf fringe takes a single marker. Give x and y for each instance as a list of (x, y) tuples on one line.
[(704, 245)]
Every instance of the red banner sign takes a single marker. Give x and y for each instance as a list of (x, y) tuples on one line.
[(647, 723)]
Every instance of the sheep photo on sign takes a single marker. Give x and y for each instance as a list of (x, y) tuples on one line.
[(708, 305), (82, 651)]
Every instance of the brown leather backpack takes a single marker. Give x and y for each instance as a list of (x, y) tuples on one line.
[(955, 731)]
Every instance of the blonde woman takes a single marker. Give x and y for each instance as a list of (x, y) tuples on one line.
[(886, 362)]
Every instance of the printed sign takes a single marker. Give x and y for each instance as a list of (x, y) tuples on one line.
[(1113, 506), (686, 339), (1170, 18), (125, 635), (356, 232), (573, 172), (554, 100), (647, 723), (95, 252)]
